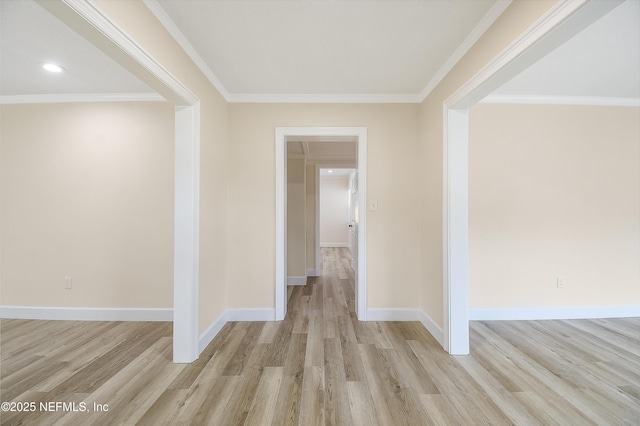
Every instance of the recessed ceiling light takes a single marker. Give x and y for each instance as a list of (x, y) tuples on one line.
[(330, 171), (52, 67)]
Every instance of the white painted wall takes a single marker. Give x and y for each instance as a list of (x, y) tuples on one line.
[(554, 191), (87, 193), (334, 211)]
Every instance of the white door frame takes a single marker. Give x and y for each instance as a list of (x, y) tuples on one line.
[(88, 20), (281, 135), (559, 24)]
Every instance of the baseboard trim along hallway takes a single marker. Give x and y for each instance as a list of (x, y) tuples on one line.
[(86, 314), (553, 313)]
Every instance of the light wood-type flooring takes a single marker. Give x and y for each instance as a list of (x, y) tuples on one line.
[(322, 366)]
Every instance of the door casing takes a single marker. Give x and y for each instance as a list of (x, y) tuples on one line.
[(281, 136)]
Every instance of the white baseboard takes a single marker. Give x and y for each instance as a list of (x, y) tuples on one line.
[(314, 272), (346, 245), (211, 332), (296, 280), (551, 313), (393, 314), (86, 314), (251, 314), (432, 327)]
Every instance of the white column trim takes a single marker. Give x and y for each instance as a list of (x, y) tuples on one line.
[(281, 223), (318, 251), (186, 235), (455, 231), (361, 274)]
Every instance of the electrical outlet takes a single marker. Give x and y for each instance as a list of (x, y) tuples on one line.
[(560, 282), (68, 283)]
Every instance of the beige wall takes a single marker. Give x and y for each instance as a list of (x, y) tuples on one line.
[(334, 211), (296, 226), (554, 191), (392, 245), (310, 221), (516, 19), (87, 192)]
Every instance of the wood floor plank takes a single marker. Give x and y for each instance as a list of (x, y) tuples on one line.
[(216, 400), (321, 366), (382, 386), (287, 406), (312, 396), (314, 356), (353, 368), (551, 411), (361, 405), (237, 409), (439, 411), (336, 394), (263, 407), (514, 410)]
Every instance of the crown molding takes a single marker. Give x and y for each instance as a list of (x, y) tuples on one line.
[(529, 47), (82, 97), (487, 20), (325, 99), (182, 40), (561, 100)]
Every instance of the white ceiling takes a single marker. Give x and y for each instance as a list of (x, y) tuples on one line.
[(325, 47), (319, 47), (319, 150), (30, 35), (601, 61)]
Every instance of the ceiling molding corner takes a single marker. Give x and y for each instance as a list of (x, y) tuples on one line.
[(162, 16), (481, 27)]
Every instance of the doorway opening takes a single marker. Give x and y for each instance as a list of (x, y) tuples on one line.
[(286, 156), (108, 37), (558, 25), (338, 211)]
